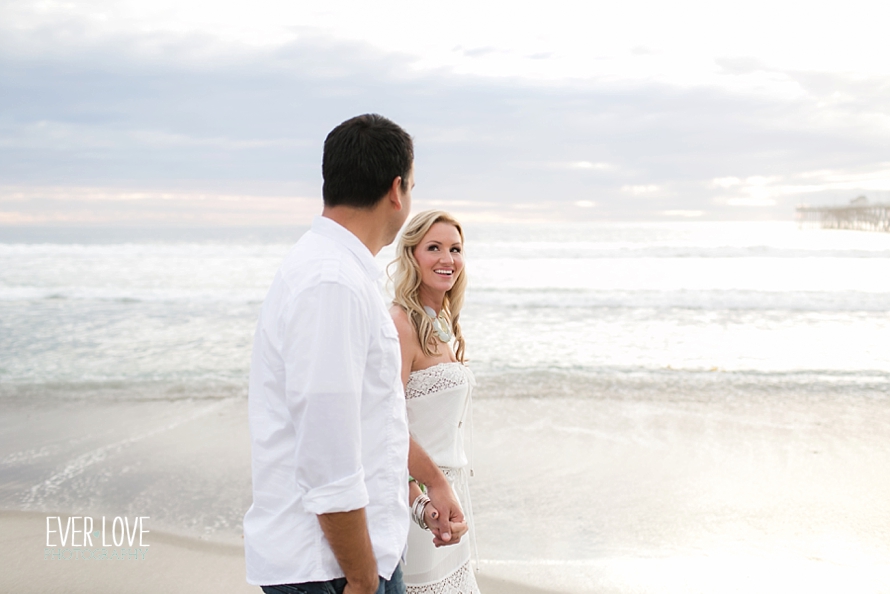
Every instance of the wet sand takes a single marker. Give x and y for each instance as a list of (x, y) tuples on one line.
[(605, 491)]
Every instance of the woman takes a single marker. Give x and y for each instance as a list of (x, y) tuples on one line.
[(429, 284)]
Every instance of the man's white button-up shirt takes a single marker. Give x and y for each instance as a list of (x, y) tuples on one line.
[(327, 412)]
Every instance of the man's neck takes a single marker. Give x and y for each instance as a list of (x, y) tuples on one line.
[(363, 223)]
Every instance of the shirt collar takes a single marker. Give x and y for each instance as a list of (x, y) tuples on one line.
[(336, 232)]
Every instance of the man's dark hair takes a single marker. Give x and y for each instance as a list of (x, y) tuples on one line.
[(361, 158)]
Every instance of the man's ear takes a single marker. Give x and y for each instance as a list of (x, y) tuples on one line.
[(395, 193)]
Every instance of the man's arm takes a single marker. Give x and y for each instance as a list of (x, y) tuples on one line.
[(325, 353), (347, 533)]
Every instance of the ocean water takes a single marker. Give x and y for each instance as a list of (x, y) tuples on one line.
[(762, 303), (683, 407)]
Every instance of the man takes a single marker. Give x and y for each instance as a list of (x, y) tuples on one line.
[(327, 413)]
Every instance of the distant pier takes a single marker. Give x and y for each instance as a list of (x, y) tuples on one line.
[(859, 215)]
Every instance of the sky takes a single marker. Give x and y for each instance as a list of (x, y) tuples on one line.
[(212, 113)]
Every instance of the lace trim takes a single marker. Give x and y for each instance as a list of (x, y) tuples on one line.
[(450, 473), (435, 379), (461, 581)]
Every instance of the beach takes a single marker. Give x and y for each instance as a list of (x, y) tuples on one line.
[(188, 465), (659, 408), (652, 493)]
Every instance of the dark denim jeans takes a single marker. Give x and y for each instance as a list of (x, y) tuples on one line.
[(394, 585)]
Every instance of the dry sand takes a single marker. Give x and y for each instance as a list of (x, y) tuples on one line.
[(173, 564)]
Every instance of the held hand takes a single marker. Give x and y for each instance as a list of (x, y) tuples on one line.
[(430, 515), (449, 525), (458, 529)]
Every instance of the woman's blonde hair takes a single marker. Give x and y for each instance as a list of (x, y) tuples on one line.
[(406, 284)]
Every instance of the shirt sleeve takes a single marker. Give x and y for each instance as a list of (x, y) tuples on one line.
[(326, 348)]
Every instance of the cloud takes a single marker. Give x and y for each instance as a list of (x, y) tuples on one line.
[(589, 165), (763, 191), (102, 205), (686, 214), (752, 201), (725, 182), (641, 189), (182, 113), (741, 65), (479, 51)]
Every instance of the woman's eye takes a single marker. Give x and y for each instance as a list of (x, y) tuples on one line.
[(455, 250)]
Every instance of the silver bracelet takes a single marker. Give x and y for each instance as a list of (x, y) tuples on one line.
[(417, 510)]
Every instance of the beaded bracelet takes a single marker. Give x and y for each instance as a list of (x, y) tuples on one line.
[(411, 479)]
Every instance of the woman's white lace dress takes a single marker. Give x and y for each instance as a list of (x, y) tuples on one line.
[(438, 400)]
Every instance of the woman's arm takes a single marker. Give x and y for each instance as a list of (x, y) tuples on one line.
[(448, 524)]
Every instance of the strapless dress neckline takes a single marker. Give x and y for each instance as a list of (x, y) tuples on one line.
[(437, 378)]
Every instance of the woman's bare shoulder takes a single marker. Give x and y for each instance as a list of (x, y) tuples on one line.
[(401, 320)]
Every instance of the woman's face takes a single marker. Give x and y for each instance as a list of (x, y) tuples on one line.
[(440, 257)]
